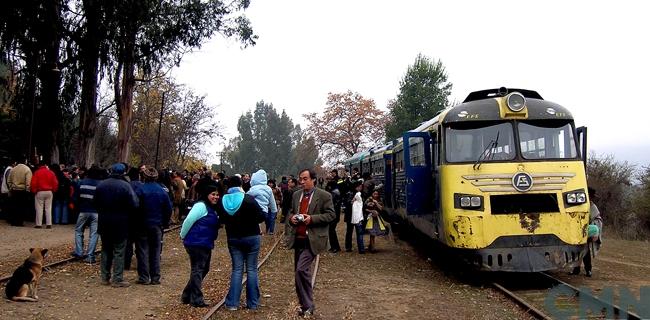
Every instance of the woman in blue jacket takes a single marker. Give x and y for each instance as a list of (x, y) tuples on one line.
[(199, 231)]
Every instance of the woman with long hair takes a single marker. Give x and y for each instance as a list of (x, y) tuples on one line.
[(199, 231)]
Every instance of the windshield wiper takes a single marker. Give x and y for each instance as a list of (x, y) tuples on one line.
[(487, 153)]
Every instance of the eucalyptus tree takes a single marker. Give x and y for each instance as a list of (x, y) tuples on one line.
[(147, 35), (31, 41)]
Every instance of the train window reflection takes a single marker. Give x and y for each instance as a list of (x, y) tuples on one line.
[(466, 142), (547, 140), (416, 149)]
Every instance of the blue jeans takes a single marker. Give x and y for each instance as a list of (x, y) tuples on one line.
[(270, 221), (358, 228), (60, 208), (244, 250), (86, 219)]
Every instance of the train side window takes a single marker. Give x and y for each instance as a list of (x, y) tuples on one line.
[(416, 147), (399, 161)]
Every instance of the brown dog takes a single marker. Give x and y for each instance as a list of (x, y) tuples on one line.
[(23, 285)]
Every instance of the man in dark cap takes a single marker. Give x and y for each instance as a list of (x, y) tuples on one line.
[(154, 205), (116, 202)]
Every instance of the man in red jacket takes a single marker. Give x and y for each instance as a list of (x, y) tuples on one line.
[(43, 185)]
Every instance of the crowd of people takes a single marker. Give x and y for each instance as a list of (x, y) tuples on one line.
[(128, 208)]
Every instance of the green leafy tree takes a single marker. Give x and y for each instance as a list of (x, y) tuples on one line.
[(244, 152), (266, 141), (305, 154), (282, 136), (424, 91)]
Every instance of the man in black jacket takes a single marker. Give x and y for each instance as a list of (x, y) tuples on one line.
[(292, 186), (116, 202), (333, 188)]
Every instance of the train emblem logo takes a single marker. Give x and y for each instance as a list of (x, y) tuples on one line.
[(522, 181)]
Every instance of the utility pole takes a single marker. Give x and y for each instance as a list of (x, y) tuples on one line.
[(162, 107), (221, 160)]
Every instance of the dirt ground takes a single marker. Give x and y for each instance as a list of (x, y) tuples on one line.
[(394, 283)]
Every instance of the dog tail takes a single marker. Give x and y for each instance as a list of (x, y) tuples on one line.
[(24, 299)]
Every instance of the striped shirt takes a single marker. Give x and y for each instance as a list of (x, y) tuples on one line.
[(87, 195)]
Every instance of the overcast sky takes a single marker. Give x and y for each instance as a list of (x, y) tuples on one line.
[(592, 57)]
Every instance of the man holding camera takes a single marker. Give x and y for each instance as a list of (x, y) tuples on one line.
[(307, 231)]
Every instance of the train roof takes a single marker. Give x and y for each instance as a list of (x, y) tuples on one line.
[(484, 106), (359, 156), (365, 154), (501, 92)]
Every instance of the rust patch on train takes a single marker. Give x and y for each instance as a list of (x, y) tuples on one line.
[(585, 228), (529, 221), (463, 226)]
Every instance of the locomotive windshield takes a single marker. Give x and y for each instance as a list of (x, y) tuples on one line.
[(547, 140), (489, 141), (468, 141)]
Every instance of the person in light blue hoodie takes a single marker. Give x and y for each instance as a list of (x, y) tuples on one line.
[(264, 197), (241, 215)]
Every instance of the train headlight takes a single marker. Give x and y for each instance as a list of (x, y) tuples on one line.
[(581, 197), (465, 202), (468, 201), (575, 197), (515, 101), (571, 198), (475, 202)]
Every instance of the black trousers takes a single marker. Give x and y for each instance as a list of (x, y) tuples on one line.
[(21, 207), (333, 238), (147, 250), (199, 266)]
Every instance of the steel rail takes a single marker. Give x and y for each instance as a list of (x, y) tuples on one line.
[(578, 292), (220, 304), (72, 259), (214, 309), (529, 308), (538, 314)]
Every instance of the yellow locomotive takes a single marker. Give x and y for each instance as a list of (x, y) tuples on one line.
[(499, 179)]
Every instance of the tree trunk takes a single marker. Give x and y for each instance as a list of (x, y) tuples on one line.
[(50, 76), (124, 101), (90, 64)]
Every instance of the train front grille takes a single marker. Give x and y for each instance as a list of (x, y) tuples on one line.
[(524, 203)]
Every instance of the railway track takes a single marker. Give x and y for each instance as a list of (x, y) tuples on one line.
[(72, 259), (210, 314), (546, 297)]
